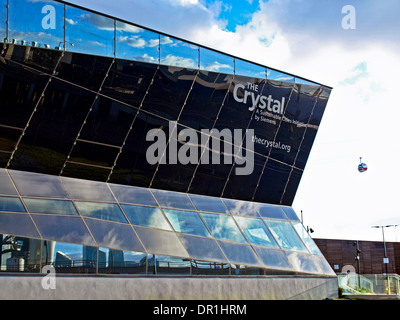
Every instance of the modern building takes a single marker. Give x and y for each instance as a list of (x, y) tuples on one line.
[(128, 151), (342, 254)]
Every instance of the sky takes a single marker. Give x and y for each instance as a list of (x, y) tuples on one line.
[(355, 52)]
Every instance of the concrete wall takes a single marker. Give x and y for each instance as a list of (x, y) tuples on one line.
[(166, 288)]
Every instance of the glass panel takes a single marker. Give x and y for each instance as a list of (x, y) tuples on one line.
[(174, 52), (113, 261), (249, 69), (170, 265), (239, 253), (138, 44), (272, 183), (272, 258), (208, 204), (309, 242), (237, 269), (187, 222), (168, 93), (269, 211), (88, 32), (245, 208), (36, 23), (146, 216), (6, 186), (202, 248), (172, 199), (94, 154), (88, 190), (256, 232), (19, 254), (286, 236), (114, 235), (108, 122), (3, 19), (18, 224), (324, 265), (53, 128), (11, 204), (69, 258), (214, 61), (200, 267), (290, 213), (63, 228), (161, 242), (133, 195), (38, 185), (50, 206), (303, 262), (223, 227), (104, 211), (279, 76), (204, 102)]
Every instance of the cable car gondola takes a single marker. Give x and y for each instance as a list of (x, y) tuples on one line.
[(362, 167)]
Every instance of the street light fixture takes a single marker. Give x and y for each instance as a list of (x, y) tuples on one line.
[(385, 260)]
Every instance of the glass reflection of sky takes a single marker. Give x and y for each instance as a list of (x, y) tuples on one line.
[(91, 33)]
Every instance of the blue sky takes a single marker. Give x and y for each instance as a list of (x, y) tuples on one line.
[(307, 38)]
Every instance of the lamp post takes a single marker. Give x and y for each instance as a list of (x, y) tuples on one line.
[(385, 259)]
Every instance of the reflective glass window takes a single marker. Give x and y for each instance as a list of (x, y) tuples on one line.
[(202, 248), (279, 76), (291, 214), (245, 68), (270, 211), (63, 228), (135, 43), (175, 52), (3, 19), (104, 211), (18, 224), (304, 262), (146, 216), (70, 258), (50, 206), (53, 128), (242, 208), (34, 23), (6, 186), (19, 254), (304, 235), (215, 61), (238, 253), (134, 195), (88, 190), (38, 185), (201, 267), (187, 222), (211, 204), (88, 32), (222, 227), (108, 122), (238, 269), (170, 199), (273, 258), (256, 232), (114, 261), (114, 235), (85, 70), (286, 236), (93, 154), (11, 204), (170, 265), (324, 265), (205, 100), (161, 242), (167, 95)]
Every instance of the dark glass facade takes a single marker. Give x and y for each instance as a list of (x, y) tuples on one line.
[(80, 92)]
